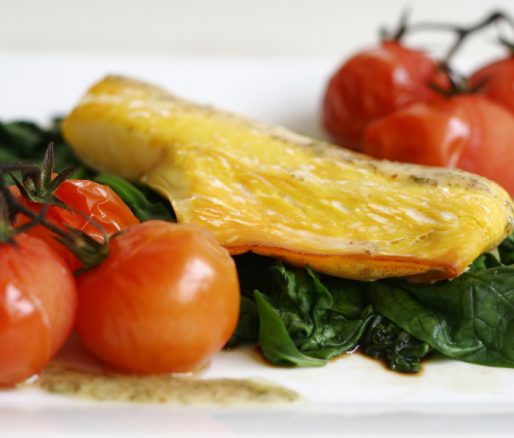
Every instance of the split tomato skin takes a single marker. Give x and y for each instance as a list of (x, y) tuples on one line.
[(91, 199), (374, 83), (496, 81), (98, 201), (38, 302), (165, 299), (467, 131)]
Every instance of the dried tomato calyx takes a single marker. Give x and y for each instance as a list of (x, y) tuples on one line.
[(6, 230), (401, 30), (38, 184), (9, 208), (457, 84), (90, 252)]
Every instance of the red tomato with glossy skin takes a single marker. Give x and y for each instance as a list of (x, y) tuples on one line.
[(467, 131), (374, 83), (165, 299), (38, 301), (498, 82), (92, 199)]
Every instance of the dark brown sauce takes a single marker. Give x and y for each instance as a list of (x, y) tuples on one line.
[(259, 357)]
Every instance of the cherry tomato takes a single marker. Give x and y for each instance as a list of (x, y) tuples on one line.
[(497, 80), (91, 199), (165, 299), (467, 131), (374, 83), (38, 300)]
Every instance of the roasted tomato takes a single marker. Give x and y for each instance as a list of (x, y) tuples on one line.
[(467, 131), (85, 199), (165, 299), (374, 83), (496, 81), (38, 301)]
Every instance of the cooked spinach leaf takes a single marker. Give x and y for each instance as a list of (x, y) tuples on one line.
[(303, 315), (383, 339), (276, 342), (27, 142), (300, 321), (506, 250), (484, 261), (470, 318), (322, 324)]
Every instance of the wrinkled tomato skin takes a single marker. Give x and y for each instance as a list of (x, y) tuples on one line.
[(374, 83), (468, 132), (496, 81), (92, 199), (165, 300), (38, 301)]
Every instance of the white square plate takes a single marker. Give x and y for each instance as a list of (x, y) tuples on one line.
[(351, 395)]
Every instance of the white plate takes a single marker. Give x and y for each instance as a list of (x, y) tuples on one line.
[(353, 394)]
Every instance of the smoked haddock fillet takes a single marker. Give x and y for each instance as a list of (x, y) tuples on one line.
[(267, 190)]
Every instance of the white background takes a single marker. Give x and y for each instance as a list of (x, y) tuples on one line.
[(283, 28)]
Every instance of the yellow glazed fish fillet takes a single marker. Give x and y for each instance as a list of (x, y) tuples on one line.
[(267, 190)]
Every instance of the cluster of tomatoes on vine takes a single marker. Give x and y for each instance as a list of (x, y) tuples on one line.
[(152, 297), (399, 103)]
